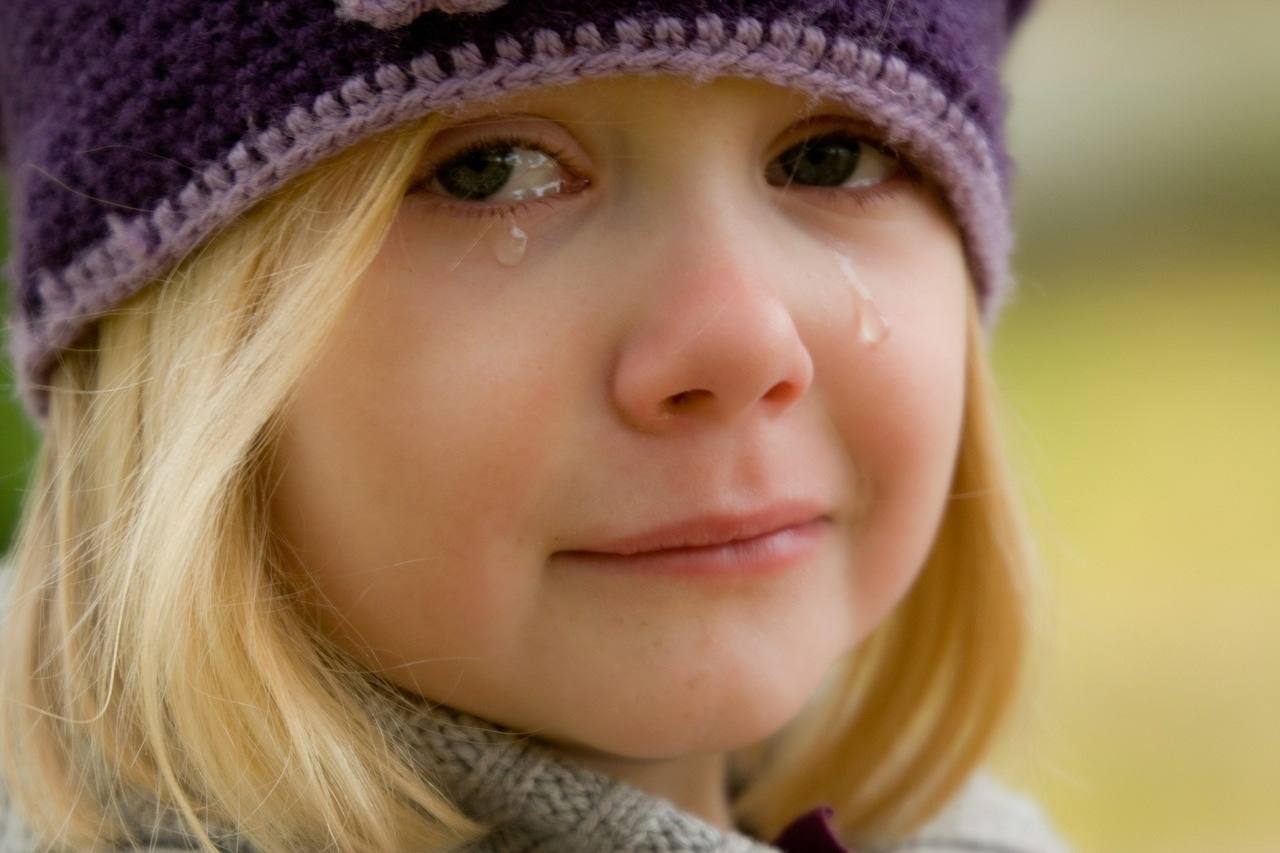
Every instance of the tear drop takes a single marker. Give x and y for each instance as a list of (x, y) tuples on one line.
[(509, 241), (873, 326)]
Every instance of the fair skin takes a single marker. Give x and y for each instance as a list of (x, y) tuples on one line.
[(679, 335)]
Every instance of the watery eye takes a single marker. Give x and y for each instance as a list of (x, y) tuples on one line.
[(833, 160), (516, 170)]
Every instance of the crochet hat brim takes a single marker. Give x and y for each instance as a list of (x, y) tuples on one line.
[(938, 133)]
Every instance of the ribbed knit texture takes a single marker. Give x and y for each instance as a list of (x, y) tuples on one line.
[(132, 133), (541, 802)]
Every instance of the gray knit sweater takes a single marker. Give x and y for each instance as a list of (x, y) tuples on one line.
[(541, 802)]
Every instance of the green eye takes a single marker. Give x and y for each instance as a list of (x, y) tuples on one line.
[(830, 160), (499, 168), (478, 172)]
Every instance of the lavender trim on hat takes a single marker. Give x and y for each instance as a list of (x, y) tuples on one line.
[(80, 254)]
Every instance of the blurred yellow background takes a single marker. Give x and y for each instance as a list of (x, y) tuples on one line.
[(1140, 365)]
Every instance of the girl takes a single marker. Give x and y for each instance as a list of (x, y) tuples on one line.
[(510, 426)]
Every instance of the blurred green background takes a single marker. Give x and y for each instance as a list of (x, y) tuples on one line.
[(1140, 365)]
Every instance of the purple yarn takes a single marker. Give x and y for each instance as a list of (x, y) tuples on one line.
[(388, 14), (132, 132)]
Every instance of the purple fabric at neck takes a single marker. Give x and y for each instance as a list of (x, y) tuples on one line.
[(811, 832)]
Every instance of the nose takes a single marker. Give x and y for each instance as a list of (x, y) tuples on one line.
[(715, 342)]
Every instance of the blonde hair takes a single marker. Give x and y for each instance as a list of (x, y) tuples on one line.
[(154, 651)]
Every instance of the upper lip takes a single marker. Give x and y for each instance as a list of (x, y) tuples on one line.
[(716, 528)]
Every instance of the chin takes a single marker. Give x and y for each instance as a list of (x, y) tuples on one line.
[(716, 713)]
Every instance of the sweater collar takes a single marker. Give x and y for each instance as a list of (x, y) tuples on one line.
[(534, 795)]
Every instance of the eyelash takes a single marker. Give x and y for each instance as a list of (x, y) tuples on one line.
[(863, 199), (481, 209)]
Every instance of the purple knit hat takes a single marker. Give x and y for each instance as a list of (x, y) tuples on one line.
[(132, 132)]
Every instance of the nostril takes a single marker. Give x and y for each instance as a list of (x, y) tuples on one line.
[(783, 392), (684, 398)]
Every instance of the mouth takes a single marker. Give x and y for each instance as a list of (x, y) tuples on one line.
[(762, 541), (715, 528)]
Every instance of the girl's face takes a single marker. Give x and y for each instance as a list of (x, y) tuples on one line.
[(681, 336)]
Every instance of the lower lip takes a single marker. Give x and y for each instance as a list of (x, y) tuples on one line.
[(760, 555)]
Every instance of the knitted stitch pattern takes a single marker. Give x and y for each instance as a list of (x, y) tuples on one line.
[(132, 133), (539, 801)]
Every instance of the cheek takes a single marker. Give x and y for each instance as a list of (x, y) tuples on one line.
[(898, 408), (470, 396), (412, 463), (904, 456)]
